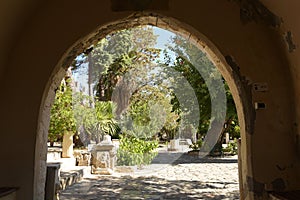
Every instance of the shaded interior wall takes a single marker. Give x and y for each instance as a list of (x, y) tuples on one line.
[(256, 48), (290, 35)]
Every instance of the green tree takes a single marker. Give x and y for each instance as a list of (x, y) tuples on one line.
[(97, 119), (149, 113), (193, 64), (62, 118), (112, 53)]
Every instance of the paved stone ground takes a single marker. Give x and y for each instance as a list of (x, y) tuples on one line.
[(187, 177)]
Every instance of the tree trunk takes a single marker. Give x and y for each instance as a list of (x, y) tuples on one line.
[(51, 143)]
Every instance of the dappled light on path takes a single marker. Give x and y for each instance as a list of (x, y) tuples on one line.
[(147, 188), (188, 177)]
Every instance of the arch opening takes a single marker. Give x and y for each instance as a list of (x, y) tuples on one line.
[(231, 76)]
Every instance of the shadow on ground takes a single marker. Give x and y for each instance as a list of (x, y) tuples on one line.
[(127, 187), (184, 158)]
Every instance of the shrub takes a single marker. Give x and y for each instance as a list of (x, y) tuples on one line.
[(231, 148), (196, 145), (135, 151)]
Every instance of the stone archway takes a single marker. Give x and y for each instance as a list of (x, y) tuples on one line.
[(226, 65)]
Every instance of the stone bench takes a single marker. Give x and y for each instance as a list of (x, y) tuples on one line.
[(291, 195), (8, 193), (69, 178)]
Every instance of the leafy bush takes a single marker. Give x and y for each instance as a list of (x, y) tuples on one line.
[(95, 117), (196, 145), (135, 151), (231, 148), (62, 118)]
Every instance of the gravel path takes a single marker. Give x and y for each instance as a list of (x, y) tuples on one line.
[(187, 177)]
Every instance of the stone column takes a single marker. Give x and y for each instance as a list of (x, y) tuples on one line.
[(241, 181), (227, 138), (104, 157), (67, 145), (52, 181), (174, 145)]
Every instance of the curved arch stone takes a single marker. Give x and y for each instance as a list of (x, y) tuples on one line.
[(240, 88)]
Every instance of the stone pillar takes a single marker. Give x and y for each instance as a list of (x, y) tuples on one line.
[(174, 145), (227, 138), (67, 145), (241, 181), (52, 181), (194, 134), (104, 157)]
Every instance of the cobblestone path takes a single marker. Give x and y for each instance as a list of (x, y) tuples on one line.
[(188, 177)]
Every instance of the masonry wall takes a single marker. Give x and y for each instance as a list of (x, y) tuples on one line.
[(257, 48), (290, 32)]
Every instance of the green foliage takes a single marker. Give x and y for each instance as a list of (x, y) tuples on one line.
[(192, 63), (114, 55), (105, 117), (194, 78), (131, 52), (62, 116), (196, 145), (135, 151), (231, 148), (149, 111), (95, 116)]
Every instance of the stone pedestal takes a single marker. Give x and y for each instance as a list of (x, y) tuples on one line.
[(103, 157), (116, 143), (227, 138), (174, 145), (52, 181), (67, 145)]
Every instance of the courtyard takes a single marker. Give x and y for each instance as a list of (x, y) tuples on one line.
[(187, 177)]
